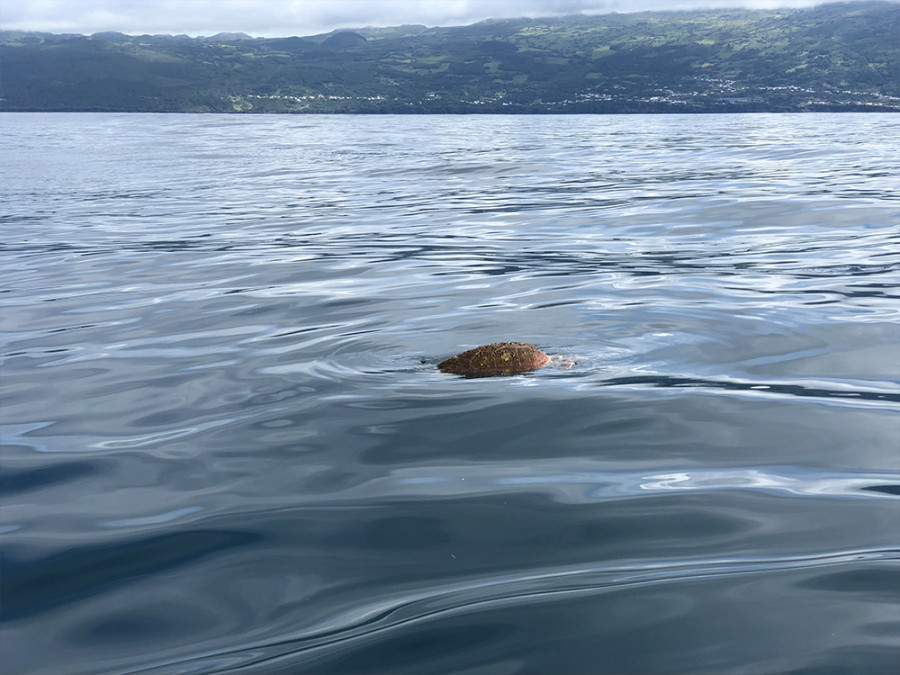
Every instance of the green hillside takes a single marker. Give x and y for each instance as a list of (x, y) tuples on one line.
[(831, 57)]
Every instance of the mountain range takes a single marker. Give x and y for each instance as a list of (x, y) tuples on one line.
[(841, 56)]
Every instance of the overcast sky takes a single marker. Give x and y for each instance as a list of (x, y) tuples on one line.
[(278, 18)]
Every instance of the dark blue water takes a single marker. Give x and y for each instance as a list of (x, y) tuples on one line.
[(227, 448)]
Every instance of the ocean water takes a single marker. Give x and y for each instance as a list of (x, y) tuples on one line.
[(227, 448)]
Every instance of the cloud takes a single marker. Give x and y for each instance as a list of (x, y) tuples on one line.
[(306, 17)]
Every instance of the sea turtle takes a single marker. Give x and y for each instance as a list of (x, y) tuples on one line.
[(501, 358)]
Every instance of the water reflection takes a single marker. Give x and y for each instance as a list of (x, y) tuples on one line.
[(227, 447)]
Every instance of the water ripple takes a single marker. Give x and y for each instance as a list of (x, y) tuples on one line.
[(227, 447), (470, 597)]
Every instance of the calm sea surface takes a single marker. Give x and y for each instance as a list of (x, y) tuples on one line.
[(227, 448)]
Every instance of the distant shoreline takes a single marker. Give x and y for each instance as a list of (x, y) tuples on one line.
[(477, 113), (828, 58)]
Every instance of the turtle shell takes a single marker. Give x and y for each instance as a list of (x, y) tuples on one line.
[(499, 358)]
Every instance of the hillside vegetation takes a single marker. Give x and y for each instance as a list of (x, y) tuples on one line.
[(831, 57)]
